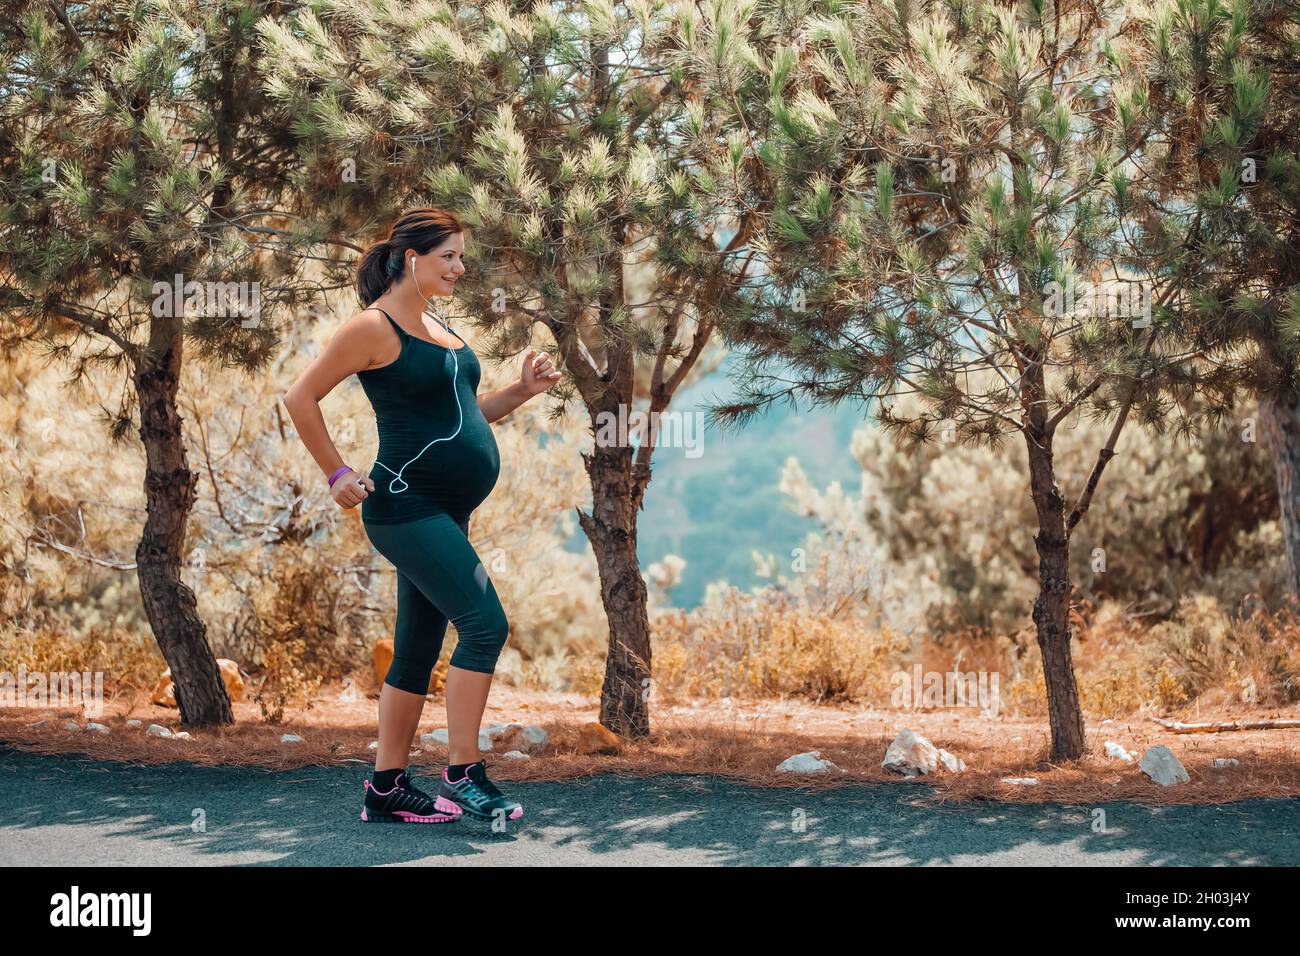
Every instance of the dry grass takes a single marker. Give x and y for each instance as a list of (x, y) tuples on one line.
[(769, 646)]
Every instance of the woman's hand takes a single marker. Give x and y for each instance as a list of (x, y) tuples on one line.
[(538, 373), (350, 488)]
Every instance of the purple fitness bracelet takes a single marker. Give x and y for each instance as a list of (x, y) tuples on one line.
[(340, 470)]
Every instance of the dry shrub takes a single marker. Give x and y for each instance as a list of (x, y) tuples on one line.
[(285, 681), (1126, 665), (127, 659), (766, 644), (302, 600), (1253, 659)]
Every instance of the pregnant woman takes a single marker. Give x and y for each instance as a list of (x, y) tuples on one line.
[(437, 461)]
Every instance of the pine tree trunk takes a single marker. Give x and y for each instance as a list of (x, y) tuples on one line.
[(611, 528), (1280, 423), (170, 491), (1052, 608)]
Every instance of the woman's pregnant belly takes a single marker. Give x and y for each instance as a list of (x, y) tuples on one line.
[(454, 476)]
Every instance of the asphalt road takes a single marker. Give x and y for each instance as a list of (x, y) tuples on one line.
[(73, 811)]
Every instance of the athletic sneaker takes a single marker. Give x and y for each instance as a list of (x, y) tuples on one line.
[(477, 795), (406, 803)]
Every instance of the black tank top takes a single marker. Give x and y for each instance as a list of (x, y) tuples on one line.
[(414, 404)]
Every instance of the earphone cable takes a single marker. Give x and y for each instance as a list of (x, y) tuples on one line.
[(455, 393)]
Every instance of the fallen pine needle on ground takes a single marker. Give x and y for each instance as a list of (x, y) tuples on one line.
[(742, 740)]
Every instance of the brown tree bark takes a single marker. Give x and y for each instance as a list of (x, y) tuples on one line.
[(611, 528), (1052, 607), (1280, 423), (170, 491)]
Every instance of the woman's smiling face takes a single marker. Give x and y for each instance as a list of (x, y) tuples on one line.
[(439, 268)]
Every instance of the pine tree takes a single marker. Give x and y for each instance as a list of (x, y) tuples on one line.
[(1225, 82), (957, 218), (139, 196), (580, 143)]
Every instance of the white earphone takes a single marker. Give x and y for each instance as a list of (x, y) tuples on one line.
[(461, 413)]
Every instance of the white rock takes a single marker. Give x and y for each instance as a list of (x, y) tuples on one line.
[(951, 763), (290, 739), (134, 723), (536, 736), (157, 730), (489, 736), (98, 728), (810, 762), (517, 755), (494, 734), (182, 735), (71, 725), (1118, 752), (911, 754), (1222, 762), (1021, 781), (1160, 764), (374, 745)]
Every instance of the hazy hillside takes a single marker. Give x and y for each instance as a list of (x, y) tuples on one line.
[(712, 510)]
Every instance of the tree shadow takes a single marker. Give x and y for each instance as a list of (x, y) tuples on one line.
[(93, 812)]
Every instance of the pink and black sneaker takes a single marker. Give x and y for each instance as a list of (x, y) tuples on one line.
[(406, 803), (478, 796)]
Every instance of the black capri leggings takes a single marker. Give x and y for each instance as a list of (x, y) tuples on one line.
[(439, 579)]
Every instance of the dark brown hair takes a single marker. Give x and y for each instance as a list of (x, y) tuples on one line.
[(382, 263)]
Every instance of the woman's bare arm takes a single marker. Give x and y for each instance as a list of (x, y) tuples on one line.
[(350, 350), (535, 377), (503, 401)]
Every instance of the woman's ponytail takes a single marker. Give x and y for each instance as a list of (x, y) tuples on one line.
[(374, 271)]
